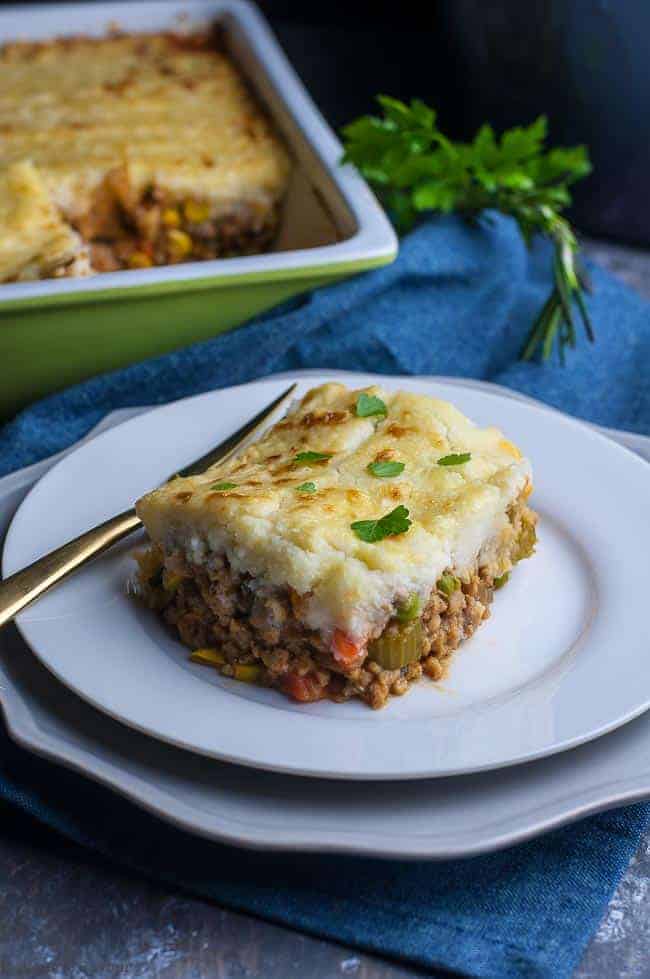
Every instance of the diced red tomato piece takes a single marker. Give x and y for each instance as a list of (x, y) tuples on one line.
[(345, 649), (305, 689)]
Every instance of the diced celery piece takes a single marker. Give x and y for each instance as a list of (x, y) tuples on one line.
[(410, 610), (525, 543), (398, 645), (448, 584), (247, 672), (208, 657)]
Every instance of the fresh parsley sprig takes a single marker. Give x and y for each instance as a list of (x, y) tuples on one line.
[(415, 168), (455, 459), (385, 469), (390, 525), (369, 404), (309, 457)]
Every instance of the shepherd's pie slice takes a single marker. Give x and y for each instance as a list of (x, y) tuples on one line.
[(348, 551)]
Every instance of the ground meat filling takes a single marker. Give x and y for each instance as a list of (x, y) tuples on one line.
[(125, 231), (214, 607)]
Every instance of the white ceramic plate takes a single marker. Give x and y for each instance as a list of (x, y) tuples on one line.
[(439, 818), (558, 664)]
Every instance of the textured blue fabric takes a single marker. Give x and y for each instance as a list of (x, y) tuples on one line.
[(524, 913), (459, 300)]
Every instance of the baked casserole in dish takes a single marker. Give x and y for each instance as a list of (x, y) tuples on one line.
[(244, 168), (131, 151), (345, 554)]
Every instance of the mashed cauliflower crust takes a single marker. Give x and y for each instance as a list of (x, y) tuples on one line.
[(346, 553), (131, 151)]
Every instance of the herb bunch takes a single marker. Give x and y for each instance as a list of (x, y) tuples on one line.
[(415, 168)]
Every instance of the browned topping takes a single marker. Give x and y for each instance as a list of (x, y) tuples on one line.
[(386, 455), (326, 418), (208, 40), (183, 497), (311, 419), (121, 85), (221, 495), (353, 495), (211, 39), (398, 431)]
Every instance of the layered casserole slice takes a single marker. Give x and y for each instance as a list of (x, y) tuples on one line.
[(149, 148), (346, 553)]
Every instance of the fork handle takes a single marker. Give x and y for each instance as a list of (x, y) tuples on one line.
[(22, 588)]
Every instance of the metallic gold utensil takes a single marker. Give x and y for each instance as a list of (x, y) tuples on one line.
[(24, 587)]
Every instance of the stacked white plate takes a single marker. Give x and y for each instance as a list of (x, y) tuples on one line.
[(533, 726)]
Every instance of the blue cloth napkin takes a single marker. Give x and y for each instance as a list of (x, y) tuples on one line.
[(459, 300)]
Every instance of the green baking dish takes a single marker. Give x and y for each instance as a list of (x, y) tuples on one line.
[(56, 332)]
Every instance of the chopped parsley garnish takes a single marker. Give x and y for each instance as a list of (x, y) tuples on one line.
[(221, 487), (306, 488), (391, 524), (415, 168), (368, 404), (312, 456), (458, 459), (385, 469), (501, 580)]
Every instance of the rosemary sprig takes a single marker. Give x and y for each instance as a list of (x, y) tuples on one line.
[(415, 168)]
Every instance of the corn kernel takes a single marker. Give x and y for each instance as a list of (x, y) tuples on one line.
[(180, 243), (196, 211), (150, 562), (511, 449), (247, 673), (170, 217), (140, 260), (208, 657)]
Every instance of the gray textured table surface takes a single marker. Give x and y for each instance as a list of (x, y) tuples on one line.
[(66, 915)]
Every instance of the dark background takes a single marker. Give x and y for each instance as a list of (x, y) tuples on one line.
[(584, 63)]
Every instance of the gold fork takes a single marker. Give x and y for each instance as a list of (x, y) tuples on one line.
[(24, 587)]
